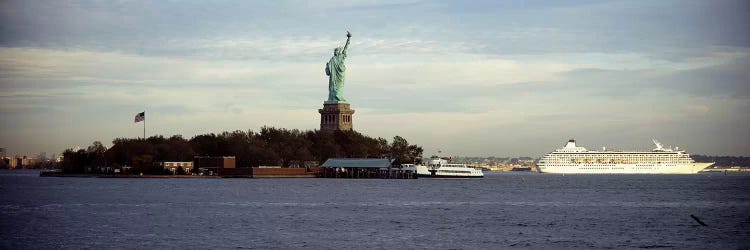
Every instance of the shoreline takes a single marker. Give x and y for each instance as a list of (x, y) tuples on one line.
[(58, 174), (266, 174)]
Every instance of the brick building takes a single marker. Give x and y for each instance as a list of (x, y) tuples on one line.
[(213, 164)]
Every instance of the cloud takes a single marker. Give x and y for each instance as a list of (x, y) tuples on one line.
[(464, 99), (486, 27), (730, 79), (490, 77)]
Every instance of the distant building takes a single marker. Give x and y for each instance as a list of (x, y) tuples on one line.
[(42, 156), (26, 161), (174, 166), (213, 164), (18, 162), (15, 162), (3, 152)]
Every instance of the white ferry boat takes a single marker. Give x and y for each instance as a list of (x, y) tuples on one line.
[(440, 168), (572, 159)]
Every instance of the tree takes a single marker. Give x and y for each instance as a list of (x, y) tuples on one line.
[(207, 145), (75, 161), (324, 145), (415, 154), (403, 153), (400, 150), (174, 149), (96, 147)]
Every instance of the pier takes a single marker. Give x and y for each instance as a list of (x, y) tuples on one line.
[(365, 173), (358, 168)]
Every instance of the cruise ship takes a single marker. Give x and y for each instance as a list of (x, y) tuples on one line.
[(573, 159), (440, 168)]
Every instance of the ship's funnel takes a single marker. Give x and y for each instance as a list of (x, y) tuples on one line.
[(571, 144)]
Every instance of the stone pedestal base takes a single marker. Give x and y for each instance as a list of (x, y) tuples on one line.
[(335, 116)]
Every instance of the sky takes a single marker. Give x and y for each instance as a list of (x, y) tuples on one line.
[(478, 78)]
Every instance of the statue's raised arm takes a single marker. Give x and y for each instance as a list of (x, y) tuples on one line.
[(348, 36)]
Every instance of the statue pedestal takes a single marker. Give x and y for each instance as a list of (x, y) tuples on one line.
[(335, 116)]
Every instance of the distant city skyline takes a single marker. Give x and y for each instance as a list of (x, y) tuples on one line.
[(480, 78)]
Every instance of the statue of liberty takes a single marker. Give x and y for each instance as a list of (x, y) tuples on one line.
[(336, 71)]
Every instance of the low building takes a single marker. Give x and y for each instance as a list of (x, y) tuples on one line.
[(211, 165), (174, 166), (363, 168)]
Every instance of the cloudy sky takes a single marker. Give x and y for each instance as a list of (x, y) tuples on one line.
[(479, 78)]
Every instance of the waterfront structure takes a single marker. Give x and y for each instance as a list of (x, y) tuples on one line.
[(578, 160), (363, 168), (336, 113)]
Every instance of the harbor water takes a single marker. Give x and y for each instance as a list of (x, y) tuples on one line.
[(502, 210)]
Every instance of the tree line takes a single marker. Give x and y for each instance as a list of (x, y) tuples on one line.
[(724, 161), (270, 147)]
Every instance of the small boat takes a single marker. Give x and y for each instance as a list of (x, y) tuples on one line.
[(438, 167)]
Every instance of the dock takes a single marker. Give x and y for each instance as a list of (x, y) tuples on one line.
[(363, 168), (366, 173)]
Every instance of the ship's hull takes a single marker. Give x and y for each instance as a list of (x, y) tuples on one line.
[(450, 176), (690, 168), (445, 172)]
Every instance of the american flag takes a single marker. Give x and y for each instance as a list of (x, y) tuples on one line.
[(140, 116)]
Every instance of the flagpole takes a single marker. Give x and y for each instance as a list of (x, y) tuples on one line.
[(144, 125)]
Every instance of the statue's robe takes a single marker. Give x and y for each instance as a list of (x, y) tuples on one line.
[(336, 70)]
